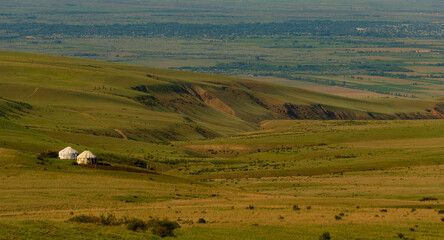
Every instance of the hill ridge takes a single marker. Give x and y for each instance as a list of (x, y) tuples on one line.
[(160, 105)]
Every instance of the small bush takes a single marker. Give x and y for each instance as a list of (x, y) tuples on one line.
[(325, 236), (85, 219), (158, 227), (139, 163), (251, 207), (441, 211), (308, 207), (442, 219), (383, 210), (109, 220), (296, 208), (428, 199), (338, 217), (201, 220), (48, 154), (401, 236), (162, 228), (135, 224)]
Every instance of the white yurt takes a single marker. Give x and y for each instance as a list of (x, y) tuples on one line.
[(86, 157), (68, 153)]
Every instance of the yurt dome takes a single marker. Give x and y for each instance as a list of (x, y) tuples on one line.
[(86, 157), (68, 153)]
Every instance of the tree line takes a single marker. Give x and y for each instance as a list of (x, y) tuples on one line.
[(239, 30)]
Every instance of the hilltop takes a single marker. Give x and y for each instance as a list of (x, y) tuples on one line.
[(106, 96)]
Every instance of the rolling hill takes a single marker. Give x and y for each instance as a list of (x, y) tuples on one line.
[(72, 101), (57, 101), (151, 104), (227, 150)]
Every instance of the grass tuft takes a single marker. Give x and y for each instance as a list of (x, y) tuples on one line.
[(135, 224), (162, 228), (325, 236), (85, 219), (428, 199)]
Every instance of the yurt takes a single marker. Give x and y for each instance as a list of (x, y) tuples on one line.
[(68, 153), (86, 157)]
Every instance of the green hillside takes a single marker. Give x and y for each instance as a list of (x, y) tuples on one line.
[(75, 100), (226, 158)]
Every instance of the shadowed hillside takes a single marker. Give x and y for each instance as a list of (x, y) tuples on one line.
[(156, 105)]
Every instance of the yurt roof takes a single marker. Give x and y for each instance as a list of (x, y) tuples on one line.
[(87, 154), (68, 150)]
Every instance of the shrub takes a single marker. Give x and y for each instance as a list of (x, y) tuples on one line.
[(162, 228), (428, 199), (110, 220), (42, 161), (401, 236), (296, 208), (48, 154), (139, 163), (442, 219), (158, 227), (338, 217), (135, 224), (441, 211), (85, 219), (383, 210), (325, 236), (201, 220), (251, 207)]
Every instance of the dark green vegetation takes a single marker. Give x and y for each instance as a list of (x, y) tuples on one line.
[(289, 29), (250, 159), (162, 228)]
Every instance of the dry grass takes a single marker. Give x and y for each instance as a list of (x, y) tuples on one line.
[(427, 69), (393, 50)]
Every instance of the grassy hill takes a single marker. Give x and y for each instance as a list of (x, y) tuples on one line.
[(91, 104), (255, 160), (74, 100), (204, 105)]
